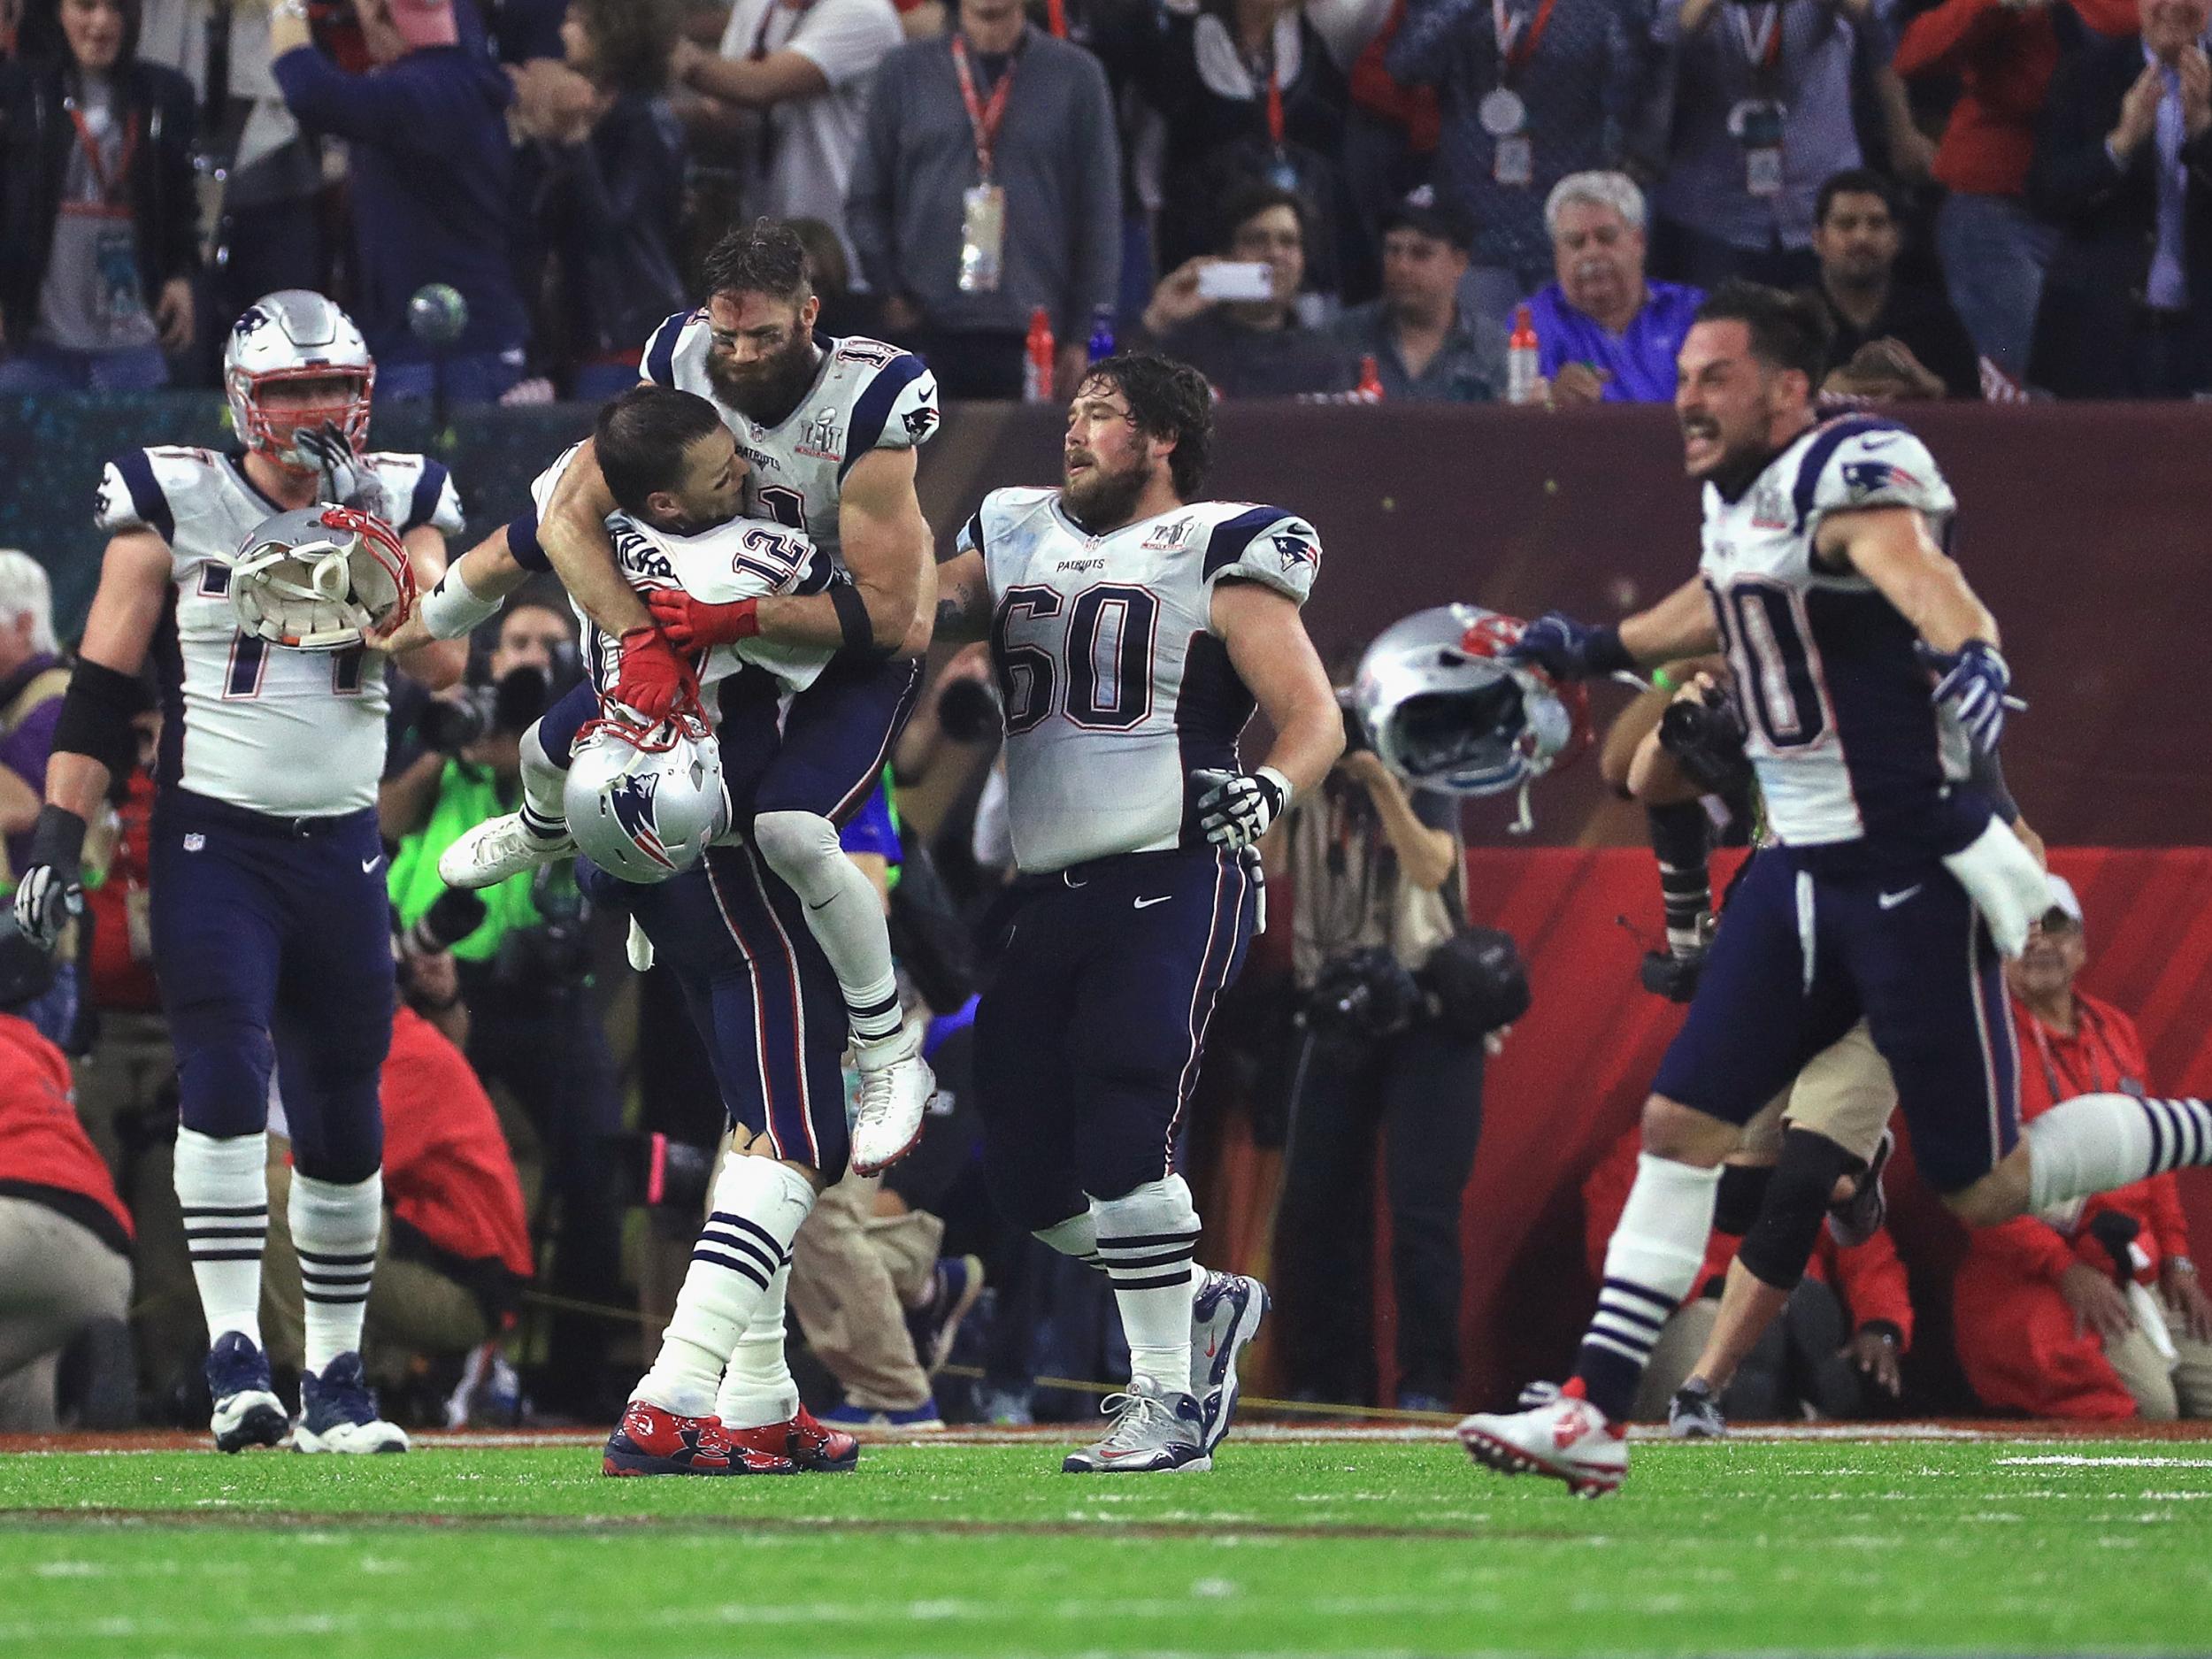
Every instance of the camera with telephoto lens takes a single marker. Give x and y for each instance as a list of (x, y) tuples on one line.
[(555, 954), (509, 704), (1366, 993), (1705, 735), (967, 711), (452, 917)]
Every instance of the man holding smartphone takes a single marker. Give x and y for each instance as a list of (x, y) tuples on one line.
[(1234, 316)]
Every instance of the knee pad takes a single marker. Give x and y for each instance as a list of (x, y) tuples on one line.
[(337, 1131), (223, 1080), (1156, 1207), (1781, 1241), (794, 841), (1743, 1191)]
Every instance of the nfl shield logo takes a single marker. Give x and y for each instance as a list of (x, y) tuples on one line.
[(194, 842)]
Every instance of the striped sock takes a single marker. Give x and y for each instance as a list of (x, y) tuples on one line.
[(223, 1192), (334, 1227), (1650, 1264), (2095, 1143), (1147, 1239), (1077, 1236), (755, 1211)]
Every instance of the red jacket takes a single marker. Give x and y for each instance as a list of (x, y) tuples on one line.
[(43, 1149), (1869, 1278), (2004, 58), (2103, 1054), (121, 980), (448, 1172)]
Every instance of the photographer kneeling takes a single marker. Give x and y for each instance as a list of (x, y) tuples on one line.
[(1395, 997)]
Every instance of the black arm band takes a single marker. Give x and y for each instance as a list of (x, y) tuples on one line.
[(853, 621), (58, 839), (1988, 776), (96, 718)]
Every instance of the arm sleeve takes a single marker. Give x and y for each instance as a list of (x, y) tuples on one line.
[(1869, 463), (1931, 40), (1873, 1283), (847, 39), (421, 491), (1426, 40), (2072, 171), (1094, 152), (1268, 546), (368, 109), (134, 493), (180, 255), (870, 206), (2031, 1248), (897, 409)]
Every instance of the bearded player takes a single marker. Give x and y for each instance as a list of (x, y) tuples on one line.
[(1133, 628), (1869, 674), (829, 429), (270, 930)]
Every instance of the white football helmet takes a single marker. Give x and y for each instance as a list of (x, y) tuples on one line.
[(316, 579), (643, 806), (1446, 709), (294, 335)]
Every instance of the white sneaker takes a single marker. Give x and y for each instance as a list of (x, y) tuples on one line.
[(1224, 1316), (1567, 1438), (496, 848), (895, 1088)]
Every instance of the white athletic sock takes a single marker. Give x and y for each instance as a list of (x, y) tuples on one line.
[(1650, 1265), (1077, 1236), (223, 1190), (1147, 1239), (844, 912), (334, 1229), (2094, 1143), (754, 1212), (544, 808), (757, 1388)]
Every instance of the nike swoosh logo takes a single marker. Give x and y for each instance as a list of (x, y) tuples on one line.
[(1146, 904), (825, 904), (1891, 900), (1882, 442), (368, 866)]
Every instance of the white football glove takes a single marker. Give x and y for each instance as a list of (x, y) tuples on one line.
[(45, 899), (347, 479), (1235, 808)]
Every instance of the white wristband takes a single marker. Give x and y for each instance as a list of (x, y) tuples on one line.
[(1281, 783), (453, 609)]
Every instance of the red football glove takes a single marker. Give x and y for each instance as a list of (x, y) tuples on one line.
[(691, 625), (652, 679)]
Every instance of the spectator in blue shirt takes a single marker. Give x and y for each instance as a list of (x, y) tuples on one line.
[(1604, 334), (433, 178)]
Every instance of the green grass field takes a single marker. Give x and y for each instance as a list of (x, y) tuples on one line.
[(1354, 1547)]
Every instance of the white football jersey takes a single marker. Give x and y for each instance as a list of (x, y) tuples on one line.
[(1840, 730), (1114, 685), (745, 559), (288, 732), (867, 395)]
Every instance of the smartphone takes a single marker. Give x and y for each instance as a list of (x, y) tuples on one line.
[(1237, 279)]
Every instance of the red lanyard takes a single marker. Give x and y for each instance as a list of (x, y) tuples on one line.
[(109, 188), (983, 118), (1274, 107), (1056, 19), (1516, 44)]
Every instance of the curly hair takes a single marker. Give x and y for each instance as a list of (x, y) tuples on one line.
[(631, 41), (1170, 400), (766, 257)]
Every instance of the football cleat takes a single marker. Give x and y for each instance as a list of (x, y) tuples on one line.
[(498, 848), (1225, 1316), (1694, 1414), (895, 1088), (803, 1441), (958, 1287), (651, 1441), (1568, 1440), (877, 1419), (338, 1412), (247, 1411), (1154, 1432), (1860, 1216)]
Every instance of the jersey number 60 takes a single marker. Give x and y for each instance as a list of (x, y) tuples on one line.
[(1106, 645)]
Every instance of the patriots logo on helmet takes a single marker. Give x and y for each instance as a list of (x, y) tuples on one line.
[(1294, 549), (631, 801), (1864, 478), (255, 319)]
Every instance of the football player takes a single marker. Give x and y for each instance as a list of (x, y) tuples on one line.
[(270, 930), (1132, 628), (828, 428), (1869, 674)]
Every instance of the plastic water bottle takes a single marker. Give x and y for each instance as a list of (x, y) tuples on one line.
[(1102, 341), (1521, 372), (1037, 351)]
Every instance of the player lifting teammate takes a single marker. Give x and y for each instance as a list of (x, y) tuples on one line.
[(1132, 628), (1869, 673)]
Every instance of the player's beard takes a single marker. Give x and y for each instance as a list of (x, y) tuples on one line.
[(1100, 500), (767, 393)]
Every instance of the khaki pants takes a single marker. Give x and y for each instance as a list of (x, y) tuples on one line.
[(117, 1081), (854, 1274), (2161, 1395), (1845, 1092), (56, 1277)]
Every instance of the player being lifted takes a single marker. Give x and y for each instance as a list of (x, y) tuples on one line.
[(1132, 628), (269, 926), (1892, 885), (828, 428)]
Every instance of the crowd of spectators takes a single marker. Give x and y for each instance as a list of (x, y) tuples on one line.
[(1993, 195)]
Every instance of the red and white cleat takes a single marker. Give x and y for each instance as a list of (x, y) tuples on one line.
[(1566, 1438), (805, 1442), (651, 1441)]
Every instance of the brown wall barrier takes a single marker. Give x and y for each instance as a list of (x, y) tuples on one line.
[(2084, 527)]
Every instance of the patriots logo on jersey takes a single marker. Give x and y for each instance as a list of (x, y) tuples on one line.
[(1294, 549), (1865, 477), (631, 801), (920, 422)]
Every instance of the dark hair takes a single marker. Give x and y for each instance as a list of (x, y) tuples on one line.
[(38, 32), (1852, 181), (641, 437), (827, 270), (766, 257), (1167, 399), (1254, 198), (631, 41), (1788, 331)]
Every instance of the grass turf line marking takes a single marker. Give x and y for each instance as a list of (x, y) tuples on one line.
[(2071, 1461)]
